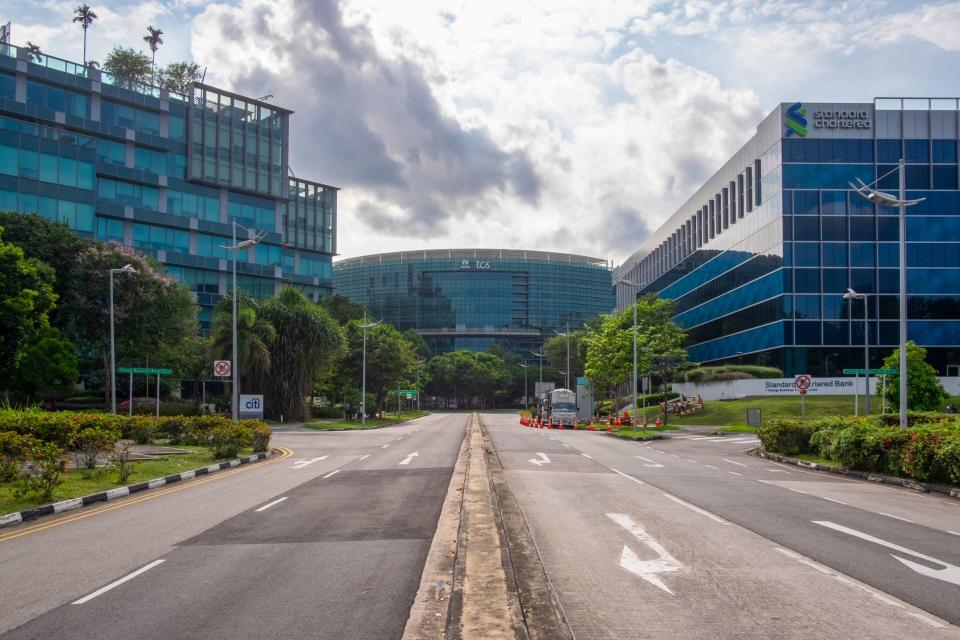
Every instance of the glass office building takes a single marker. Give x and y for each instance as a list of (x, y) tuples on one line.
[(168, 174), (475, 298), (758, 259)]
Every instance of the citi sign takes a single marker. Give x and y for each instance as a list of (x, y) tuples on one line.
[(482, 265), (253, 404)]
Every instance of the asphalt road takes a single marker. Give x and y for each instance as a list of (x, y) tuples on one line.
[(690, 538), (328, 543)]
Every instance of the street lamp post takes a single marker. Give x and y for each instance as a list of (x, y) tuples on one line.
[(526, 398), (113, 351), (638, 286), (853, 295), (826, 362), (900, 201), (418, 363), (363, 383), (236, 248), (567, 336)]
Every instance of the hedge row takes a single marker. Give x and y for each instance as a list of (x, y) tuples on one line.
[(64, 428), (928, 451), (731, 372)]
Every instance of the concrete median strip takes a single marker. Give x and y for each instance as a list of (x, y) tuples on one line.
[(120, 492)]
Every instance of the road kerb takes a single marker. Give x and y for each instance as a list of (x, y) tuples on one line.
[(431, 606)]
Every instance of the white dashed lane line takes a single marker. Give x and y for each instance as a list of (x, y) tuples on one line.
[(270, 504)]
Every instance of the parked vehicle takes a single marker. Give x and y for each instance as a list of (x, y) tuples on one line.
[(558, 408)]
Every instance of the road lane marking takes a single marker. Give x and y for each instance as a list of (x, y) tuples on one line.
[(332, 473), (93, 511), (739, 464), (694, 507), (674, 455), (268, 505), (410, 456), (949, 573), (833, 500), (735, 473), (777, 470), (851, 583), (649, 463), (890, 515), (693, 461), (117, 583), (364, 457), (709, 465), (628, 477), (645, 569), (953, 533), (565, 444), (796, 490), (300, 464), (586, 456), (385, 446), (542, 460)]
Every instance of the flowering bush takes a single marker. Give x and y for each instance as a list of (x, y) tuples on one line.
[(44, 466)]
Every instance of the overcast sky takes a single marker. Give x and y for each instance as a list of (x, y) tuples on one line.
[(550, 124)]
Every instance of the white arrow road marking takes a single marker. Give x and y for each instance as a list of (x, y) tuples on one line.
[(410, 456), (645, 569), (949, 573), (649, 463), (300, 464), (541, 461)]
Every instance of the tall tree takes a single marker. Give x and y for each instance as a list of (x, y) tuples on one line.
[(151, 309), (26, 297), (342, 308), (127, 66), (390, 360), (924, 391), (33, 52), (255, 335), (48, 365), (154, 39), (420, 347), (85, 16), (178, 76), (307, 339), (607, 364)]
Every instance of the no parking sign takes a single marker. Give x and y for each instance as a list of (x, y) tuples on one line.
[(221, 368), (802, 383)]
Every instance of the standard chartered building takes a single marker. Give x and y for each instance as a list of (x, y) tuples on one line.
[(757, 261)]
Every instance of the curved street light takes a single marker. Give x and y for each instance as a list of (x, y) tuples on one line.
[(567, 336), (853, 295), (901, 202), (363, 384), (128, 268)]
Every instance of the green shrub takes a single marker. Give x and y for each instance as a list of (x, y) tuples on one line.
[(947, 460), (44, 466), (731, 372), (260, 435), (91, 443), (226, 441), (329, 411), (197, 430), (786, 436), (12, 445)]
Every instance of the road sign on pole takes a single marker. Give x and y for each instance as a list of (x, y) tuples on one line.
[(873, 372), (221, 368), (146, 370), (802, 382)]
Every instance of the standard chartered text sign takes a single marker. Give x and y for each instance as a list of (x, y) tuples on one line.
[(251, 406), (827, 119), (841, 385)]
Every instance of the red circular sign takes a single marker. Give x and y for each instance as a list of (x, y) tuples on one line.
[(221, 368), (802, 382)]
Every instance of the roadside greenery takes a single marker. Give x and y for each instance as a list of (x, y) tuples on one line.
[(924, 391), (730, 372), (928, 451), (371, 423)]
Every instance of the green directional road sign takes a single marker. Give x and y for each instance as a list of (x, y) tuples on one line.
[(160, 372), (408, 393), (872, 372)]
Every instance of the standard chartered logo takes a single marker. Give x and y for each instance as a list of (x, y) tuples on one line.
[(796, 121)]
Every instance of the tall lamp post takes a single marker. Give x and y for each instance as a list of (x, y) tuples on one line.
[(419, 363), (236, 248), (566, 335), (113, 351), (526, 399), (900, 201), (363, 383), (853, 295), (637, 286)]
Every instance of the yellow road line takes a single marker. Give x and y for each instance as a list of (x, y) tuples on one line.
[(151, 494)]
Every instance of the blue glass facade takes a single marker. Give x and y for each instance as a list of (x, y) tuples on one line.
[(758, 260), (474, 298), (121, 161)]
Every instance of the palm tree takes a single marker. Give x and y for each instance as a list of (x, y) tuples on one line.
[(85, 16), (33, 52), (154, 40), (254, 337)]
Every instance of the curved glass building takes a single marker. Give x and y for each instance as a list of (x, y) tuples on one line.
[(474, 298)]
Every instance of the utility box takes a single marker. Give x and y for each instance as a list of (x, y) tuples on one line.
[(585, 406), (753, 417)]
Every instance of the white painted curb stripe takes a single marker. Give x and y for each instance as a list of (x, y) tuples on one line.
[(270, 504), (67, 505), (117, 583), (159, 482), (234, 463), (119, 492), (186, 475), (11, 518), (213, 468)]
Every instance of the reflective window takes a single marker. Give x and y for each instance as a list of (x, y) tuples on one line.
[(126, 193), (46, 167), (8, 86), (944, 150), (204, 204), (128, 117), (50, 97), (213, 247), (109, 229), (112, 152), (149, 236), (916, 151)]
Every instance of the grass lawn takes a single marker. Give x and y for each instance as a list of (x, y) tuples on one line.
[(737, 428), (75, 485), (630, 433), (809, 457), (733, 413), (372, 423)]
